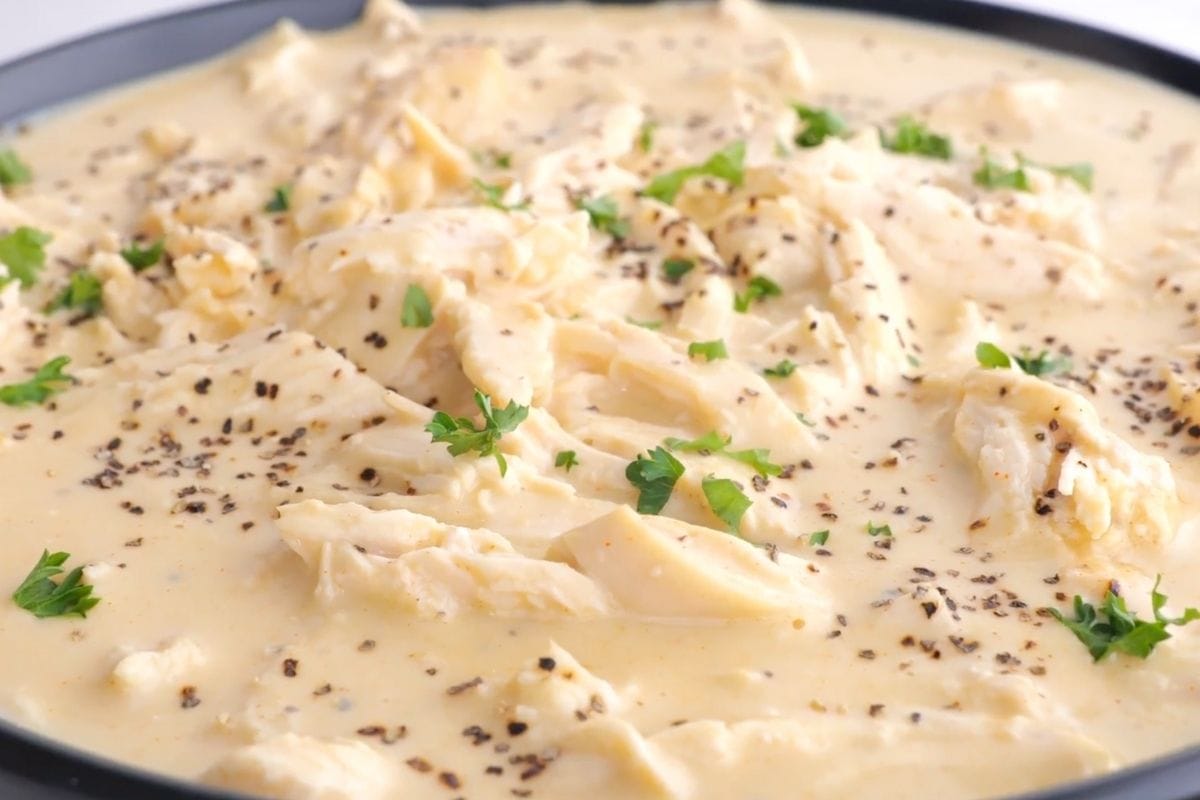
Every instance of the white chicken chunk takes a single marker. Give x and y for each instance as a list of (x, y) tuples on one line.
[(294, 767), (1046, 463)]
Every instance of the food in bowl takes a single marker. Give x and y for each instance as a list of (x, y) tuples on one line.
[(672, 402)]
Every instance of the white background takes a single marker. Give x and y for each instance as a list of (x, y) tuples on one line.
[(32, 24)]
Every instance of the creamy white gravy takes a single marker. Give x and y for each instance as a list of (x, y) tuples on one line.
[(303, 596)]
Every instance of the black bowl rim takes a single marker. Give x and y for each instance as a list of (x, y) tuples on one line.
[(36, 767)]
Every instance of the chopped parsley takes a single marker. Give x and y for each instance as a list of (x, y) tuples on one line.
[(42, 597), (990, 356), (819, 125), (494, 158), (726, 164), (493, 195), (675, 268), (462, 436), (726, 500), (878, 530), (23, 253), (713, 443), (84, 292), (1041, 364), (710, 350), (645, 140), (566, 459), (1114, 628), (991, 175), (417, 312), (781, 370), (604, 215), (654, 477), (12, 169), (913, 138), (648, 324), (142, 258), (758, 288), (1082, 172), (805, 420), (47, 381), (281, 199), (818, 538), (758, 459)]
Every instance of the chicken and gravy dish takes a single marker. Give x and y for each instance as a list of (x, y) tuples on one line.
[(683, 401)]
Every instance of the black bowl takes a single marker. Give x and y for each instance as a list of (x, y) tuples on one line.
[(33, 767)]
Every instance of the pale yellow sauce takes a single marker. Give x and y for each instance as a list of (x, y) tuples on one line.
[(711, 666)]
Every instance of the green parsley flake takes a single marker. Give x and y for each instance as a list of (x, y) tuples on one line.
[(417, 312), (495, 158), (281, 199), (878, 530), (713, 443), (462, 436), (990, 356), (648, 324), (47, 381), (913, 138), (42, 597), (991, 175), (781, 370), (604, 215), (759, 288), (1120, 630), (1041, 364), (654, 477), (645, 140), (726, 164), (758, 459), (12, 169), (818, 538), (710, 350), (675, 268), (143, 258), (493, 195), (726, 500), (23, 253), (819, 125), (566, 459), (1082, 173), (805, 420), (84, 292)]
